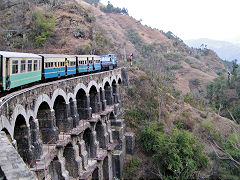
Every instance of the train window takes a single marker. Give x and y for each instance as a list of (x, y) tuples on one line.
[(55, 64), (35, 65), (29, 65), (15, 67), (51, 64), (23, 66)]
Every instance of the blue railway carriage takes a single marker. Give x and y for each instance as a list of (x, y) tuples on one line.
[(88, 63), (18, 69), (108, 61), (58, 65)]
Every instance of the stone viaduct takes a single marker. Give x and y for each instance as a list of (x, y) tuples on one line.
[(66, 129)]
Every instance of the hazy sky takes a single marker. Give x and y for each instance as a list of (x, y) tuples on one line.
[(188, 19)]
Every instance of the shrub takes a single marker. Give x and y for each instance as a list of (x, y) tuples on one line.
[(185, 121), (188, 98), (187, 61), (42, 28), (209, 131), (225, 168), (173, 56), (130, 167), (196, 82), (179, 155), (176, 66), (149, 139), (197, 56), (206, 52)]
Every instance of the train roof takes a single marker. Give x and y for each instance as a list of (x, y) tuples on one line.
[(88, 55), (57, 55), (18, 55)]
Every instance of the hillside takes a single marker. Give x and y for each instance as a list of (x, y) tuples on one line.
[(225, 50), (83, 28), (168, 83)]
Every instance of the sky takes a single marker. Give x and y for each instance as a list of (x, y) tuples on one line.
[(188, 19)]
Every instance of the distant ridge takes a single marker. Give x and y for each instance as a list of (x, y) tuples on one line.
[(224, 49)]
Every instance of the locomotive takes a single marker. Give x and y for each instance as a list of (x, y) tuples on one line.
[(19, 69)]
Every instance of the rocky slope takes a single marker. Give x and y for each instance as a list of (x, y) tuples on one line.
[(83, 28)]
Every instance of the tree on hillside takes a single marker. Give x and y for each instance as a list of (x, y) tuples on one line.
[(235, 70), (111, 9)]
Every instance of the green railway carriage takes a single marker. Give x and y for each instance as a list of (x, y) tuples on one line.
[(17, 69)]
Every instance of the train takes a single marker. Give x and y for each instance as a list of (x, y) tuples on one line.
[(20, 69)]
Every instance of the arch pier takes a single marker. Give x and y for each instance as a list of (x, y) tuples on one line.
[(68, 129)]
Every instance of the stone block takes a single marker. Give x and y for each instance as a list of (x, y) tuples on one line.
[(117, 164), (130, 142)]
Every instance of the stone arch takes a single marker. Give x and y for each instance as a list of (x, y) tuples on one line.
[(92, 83), (83, 104), (105, 80), (63, 122), (119, 80), (47, 124), (108, 93), (36, 143), (99, 128), (78, 87), (55, 169), (21, 135), (58, 92), (19, 109), (113, 78), (71, 164), (93, 93), (42, 98)]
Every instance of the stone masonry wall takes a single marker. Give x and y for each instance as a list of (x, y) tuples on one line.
[(69, 128)]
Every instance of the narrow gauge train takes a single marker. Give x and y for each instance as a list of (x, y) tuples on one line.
[(18, 69)]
